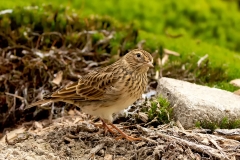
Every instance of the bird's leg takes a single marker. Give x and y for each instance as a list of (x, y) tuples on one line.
[(106, 127), (124, 135)]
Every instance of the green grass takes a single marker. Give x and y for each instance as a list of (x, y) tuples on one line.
[(218, 56), (223, 124), (215, 21), (223, 64)]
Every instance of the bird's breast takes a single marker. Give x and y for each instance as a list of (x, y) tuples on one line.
[(137, 86)]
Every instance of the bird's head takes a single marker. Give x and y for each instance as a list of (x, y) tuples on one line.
[(139, 60)]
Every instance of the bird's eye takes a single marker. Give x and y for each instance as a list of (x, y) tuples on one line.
[(138, 55)]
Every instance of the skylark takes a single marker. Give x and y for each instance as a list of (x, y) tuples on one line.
[(108, 90)]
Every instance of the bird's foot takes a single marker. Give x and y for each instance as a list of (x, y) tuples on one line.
[(124, 135), (107, 128)]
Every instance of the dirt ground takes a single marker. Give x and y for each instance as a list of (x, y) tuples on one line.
[(73, 137)]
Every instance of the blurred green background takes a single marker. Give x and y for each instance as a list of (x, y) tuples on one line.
[(216, 21), (188, 27)]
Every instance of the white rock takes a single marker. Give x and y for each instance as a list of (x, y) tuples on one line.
[(235, 82), (193, 103)]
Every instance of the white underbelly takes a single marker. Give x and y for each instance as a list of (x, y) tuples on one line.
[(124, 103), (106, 112)]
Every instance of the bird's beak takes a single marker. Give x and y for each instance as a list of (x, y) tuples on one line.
[(149, 64)]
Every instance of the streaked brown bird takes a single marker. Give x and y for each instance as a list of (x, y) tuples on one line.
[(108, 90)]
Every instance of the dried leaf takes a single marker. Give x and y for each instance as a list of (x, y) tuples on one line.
[(58, 79), (12, 134), (169, 52), (37, 125), (201, 60), (165, 59)]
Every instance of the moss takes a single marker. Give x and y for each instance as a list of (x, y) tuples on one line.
[(216, 71), (225, 123), (215, 22), (161, 110)]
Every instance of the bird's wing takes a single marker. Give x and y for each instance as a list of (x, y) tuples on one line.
[(93, 86), (98, 85), (66, 92)]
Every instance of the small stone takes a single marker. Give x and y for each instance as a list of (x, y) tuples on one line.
[(143, 116)]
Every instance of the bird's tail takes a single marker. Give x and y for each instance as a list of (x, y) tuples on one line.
[(50, 100), (40, 102)]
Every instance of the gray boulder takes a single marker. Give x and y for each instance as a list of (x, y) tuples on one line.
[(193, 103)]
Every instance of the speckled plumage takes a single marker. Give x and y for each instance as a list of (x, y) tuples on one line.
[(110, 89)]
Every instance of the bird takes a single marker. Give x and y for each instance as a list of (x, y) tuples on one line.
[(108, 90)]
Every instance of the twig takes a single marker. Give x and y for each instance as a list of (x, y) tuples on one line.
[(14, 95), (12, 109), (68, 139), (197, 147), (51, 113), (95, 150), (152, 121), (49, 34), (143, 129), (217, 146), (169, 52), (201, 60), (5, 50), (228, 133), (234, 137), (69, 135), (180, 125), (190, 153), (148, 140)]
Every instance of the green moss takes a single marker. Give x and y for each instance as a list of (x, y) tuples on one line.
[(225, 123), (160, 108), (221, 66), (216, 22), (225, 85)]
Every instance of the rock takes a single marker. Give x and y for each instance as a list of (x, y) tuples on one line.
[(235, 82), (193, 103), (237, 92)]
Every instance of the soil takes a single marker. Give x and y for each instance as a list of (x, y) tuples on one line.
[(79, 137), (72, 137)]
